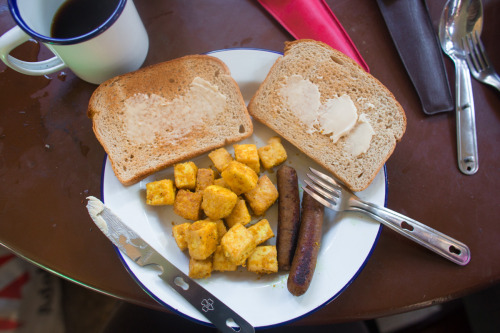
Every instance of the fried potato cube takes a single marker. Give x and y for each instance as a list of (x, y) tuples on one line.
[(221, 230), (201, 237), (185, 175), (274, 139), (187, 204), (261, 231), (247, 154), (221, 182), (263, 260), (273, 153), (161, 192), (200, 269), (239, 214), (179, 233), (220, 262), (262, 196), (240, 177), (220, 158), (237, 244), (204, 177), (218, 202)]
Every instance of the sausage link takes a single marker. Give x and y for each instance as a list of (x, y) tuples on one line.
[(288, 215), (306, 254)]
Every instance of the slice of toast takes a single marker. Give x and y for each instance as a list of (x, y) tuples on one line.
[(330, 74), (160, 115)]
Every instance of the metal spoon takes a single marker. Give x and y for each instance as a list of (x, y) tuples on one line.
[(460, 17)]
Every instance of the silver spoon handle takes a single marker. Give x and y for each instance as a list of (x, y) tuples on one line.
[(420, 233), (468, 162)]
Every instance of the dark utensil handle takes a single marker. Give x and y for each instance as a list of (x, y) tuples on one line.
[(415, 39)]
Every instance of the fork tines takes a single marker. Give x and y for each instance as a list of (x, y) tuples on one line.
[(477, 58), (323, 188)]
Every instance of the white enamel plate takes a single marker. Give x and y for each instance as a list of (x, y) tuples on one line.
[(264, 301)]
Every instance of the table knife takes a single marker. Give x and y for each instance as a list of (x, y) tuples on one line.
[(137, 249)]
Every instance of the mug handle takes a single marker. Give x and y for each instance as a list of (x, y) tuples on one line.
[(15, 37)]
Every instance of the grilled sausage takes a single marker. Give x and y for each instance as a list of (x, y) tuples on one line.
[(288, 215), (306, 254)]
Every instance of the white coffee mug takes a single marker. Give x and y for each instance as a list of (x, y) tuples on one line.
[(117, 46)]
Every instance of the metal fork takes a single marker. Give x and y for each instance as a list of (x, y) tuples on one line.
[(336, 196), (479, 63)]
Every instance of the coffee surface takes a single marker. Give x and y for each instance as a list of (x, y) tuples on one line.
[(78, 17)]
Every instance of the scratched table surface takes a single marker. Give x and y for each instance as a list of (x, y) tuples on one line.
[(50, 161)]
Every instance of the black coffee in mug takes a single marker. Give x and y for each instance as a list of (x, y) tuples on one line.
[(78, 17)]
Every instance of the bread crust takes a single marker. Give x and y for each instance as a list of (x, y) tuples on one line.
[(335, 74), (133, 160)]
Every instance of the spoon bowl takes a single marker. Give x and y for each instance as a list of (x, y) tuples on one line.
[(458, 19)]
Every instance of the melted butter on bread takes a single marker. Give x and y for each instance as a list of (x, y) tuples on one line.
[(303, 98), (151, 117), (358, 140), (336, 117)]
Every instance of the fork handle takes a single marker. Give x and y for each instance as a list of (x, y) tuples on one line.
[(432, 239), (468, 162)]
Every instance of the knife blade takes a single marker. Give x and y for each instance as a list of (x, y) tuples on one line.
[(143, 254)]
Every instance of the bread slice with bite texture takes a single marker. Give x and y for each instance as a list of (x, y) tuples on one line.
[(160, 115), (304, 98)]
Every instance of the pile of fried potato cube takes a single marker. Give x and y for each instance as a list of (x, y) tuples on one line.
[(219, 239)]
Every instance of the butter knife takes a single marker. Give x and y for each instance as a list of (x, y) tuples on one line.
[(133, 246)]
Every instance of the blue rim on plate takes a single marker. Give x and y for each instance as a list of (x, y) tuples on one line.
[(163, 303), (152, 295), (244, 49), (15, 12)]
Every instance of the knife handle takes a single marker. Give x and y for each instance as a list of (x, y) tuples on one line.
[(466, 124), (313, 19), (413, 34), (222, 316)]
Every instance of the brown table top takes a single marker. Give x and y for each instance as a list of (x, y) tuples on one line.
[(50, 161)]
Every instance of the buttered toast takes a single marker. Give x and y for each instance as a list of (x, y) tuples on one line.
[(326, 105), (160, 115)]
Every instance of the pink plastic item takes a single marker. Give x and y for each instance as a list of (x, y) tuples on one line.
[(313, 19)]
